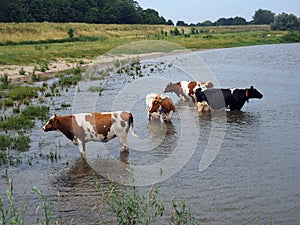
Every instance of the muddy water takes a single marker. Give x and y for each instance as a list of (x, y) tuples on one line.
[(253, 175)]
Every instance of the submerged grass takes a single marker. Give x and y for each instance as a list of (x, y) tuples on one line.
[(26, 119)]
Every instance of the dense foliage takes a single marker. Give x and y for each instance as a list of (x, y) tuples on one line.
[(89, 11), (286, 21), (263, 16)]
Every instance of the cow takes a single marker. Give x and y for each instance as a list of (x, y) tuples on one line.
[(96, 126), (160, 106), (203, 107), (185, 90), (217, 98)]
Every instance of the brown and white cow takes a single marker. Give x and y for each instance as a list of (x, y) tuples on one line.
[(97, 126), (160, 106), (186, 89)]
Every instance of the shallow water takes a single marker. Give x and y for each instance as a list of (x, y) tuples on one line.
[(253, 172)]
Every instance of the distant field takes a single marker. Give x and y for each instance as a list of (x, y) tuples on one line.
[(25, 43)]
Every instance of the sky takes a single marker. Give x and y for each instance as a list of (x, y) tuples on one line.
[(194, 11)]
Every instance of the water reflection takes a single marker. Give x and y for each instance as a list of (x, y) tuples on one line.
[(160, 131), (241, 118)]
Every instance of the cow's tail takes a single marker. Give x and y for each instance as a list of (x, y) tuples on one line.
[(132, 126)]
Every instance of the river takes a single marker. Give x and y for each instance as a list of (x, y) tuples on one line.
[(229, 167)]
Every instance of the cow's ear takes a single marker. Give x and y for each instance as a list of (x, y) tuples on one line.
[(54, 115)]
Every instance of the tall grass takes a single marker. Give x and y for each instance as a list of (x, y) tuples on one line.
[(27, 43)]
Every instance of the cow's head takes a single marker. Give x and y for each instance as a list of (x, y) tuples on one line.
[(207, 84), (253, 93), (172, 87), (199, 95), (156, 104), (51, 124)]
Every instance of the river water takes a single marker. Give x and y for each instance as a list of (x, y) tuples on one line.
[(251, 170)]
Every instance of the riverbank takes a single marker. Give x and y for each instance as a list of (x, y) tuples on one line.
[(44, 49)]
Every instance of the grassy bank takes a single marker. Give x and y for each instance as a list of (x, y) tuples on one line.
[(27, 43)]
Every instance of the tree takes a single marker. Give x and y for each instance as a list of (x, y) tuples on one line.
[(181, 23), (262, 16), (150, 16), (222, 22), (286, 21), (170, 22), (206, 23), (239, 21)]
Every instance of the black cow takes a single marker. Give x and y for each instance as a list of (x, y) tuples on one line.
[(234, 99)]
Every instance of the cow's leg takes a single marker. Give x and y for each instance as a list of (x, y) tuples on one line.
[(149, 116), (81, 146), (123, 142)]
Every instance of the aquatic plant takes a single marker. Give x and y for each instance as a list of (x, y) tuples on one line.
[(16, 123), (98, 89), (179, 214), (11, 214), (69, 80), (18, 92), (19, 143), (25, 119), (131, 207), (36, 112)]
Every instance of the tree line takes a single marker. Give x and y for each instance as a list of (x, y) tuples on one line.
[(121, 12), (281, 21), (87, 11)]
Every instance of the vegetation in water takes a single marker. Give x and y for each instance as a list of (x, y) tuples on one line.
[(127, 204), (131, 207), (25, 119)]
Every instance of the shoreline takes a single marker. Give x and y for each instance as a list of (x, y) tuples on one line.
[(12, 71)]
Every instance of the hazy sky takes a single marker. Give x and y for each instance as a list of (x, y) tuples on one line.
[(193, 11)]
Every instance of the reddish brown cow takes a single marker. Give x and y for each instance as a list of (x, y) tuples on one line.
[(186, 89), (160, 106), (101, 127)]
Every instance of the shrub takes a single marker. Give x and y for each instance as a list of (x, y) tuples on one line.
[(22, 71), (71, 32), (292, 36)]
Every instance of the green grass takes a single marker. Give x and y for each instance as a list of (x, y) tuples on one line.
[(27, 43)]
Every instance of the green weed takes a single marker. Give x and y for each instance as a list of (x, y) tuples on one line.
[(25, 119), (130, 207), (68, 80), (22, 92), (98, 89), (19, 143), (16, 123), (5, 81), (11, 214), (36, 112)]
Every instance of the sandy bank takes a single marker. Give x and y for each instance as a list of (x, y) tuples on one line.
[(14, 74)]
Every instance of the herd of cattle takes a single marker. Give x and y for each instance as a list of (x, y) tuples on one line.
[(102, 127)]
